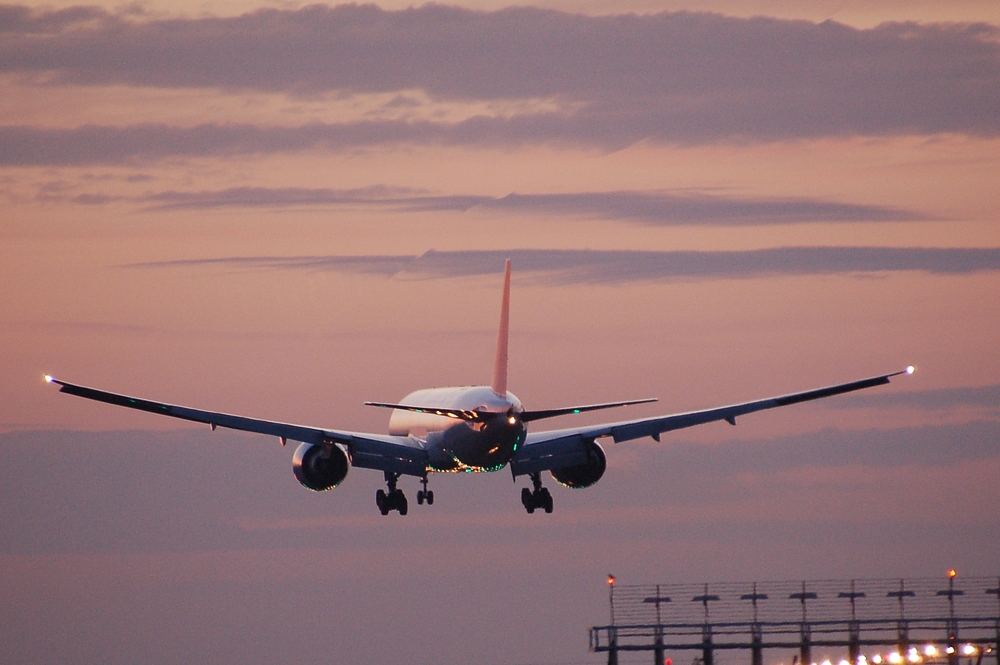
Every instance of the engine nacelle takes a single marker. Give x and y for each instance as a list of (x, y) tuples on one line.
[(583, 475), (317, 472)]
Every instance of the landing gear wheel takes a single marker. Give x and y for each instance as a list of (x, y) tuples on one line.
[(528, 500), (394, 499), (537, 497), (425, 494), (382, 501)]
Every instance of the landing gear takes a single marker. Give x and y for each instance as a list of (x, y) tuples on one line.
[(425, 494), (538, 497), (394, 499)]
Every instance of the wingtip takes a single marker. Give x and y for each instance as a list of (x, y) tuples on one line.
[(908, 370), (48, 378)]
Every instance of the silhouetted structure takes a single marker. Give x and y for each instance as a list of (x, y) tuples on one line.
[(874, 621)]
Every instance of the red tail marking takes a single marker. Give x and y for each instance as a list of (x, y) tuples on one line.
[(500, 362)]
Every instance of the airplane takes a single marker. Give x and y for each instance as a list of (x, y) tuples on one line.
[(466, 429)]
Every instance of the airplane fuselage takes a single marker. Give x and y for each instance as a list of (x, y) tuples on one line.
[(461, 445)]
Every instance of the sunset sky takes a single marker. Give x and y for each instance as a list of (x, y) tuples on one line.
[(283, 210)]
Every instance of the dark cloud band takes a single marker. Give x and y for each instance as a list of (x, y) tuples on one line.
[(944, 398), (660, 208), (682, 77), (612, 267)]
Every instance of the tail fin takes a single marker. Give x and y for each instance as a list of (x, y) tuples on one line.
[(500, 362)]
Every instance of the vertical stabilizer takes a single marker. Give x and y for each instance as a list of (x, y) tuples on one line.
[(500, 362)]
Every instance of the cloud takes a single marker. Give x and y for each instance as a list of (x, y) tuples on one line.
[(22, 145), (26, 21), (646, 207), (678, 77), (286, 196), (614, 267), (89, 144), (944, 398)]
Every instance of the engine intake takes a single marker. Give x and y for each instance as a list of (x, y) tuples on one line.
[(317, 472), (583, 475)]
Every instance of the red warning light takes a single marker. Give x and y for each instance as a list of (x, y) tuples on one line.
[(952, 572), (611, 580), (670, 661)]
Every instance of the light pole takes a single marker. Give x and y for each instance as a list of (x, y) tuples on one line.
[(611, 596)]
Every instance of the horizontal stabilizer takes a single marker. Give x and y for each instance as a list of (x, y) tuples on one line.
[(528, 416), (459, 414)]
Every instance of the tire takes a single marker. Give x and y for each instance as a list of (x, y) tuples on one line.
[(401, 504), (430, 497), (528, 500), (420, 497)]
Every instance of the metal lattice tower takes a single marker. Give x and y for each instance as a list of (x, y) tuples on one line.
[(883, 622)]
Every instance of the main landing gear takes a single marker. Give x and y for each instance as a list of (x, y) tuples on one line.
[(539, 497), (425, 494), (394, 499)]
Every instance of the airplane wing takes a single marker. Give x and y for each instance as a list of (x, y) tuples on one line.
[(556, 449), (396, 454)]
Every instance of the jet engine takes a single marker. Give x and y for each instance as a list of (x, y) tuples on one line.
[(583, 475), (316, 471)]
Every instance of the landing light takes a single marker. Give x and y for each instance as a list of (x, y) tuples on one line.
[(512, 420), (48, 378), (911, 369)]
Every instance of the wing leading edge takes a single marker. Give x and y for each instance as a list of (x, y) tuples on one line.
[(395, 454), (556, 449)]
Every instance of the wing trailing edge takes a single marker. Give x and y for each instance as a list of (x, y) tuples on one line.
[(557, 448), (394, 454)]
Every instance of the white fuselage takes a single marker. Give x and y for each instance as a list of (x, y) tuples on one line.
[(454, 444)]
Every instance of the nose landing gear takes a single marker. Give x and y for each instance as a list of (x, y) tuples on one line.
[(538, 497), (394, 499)]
